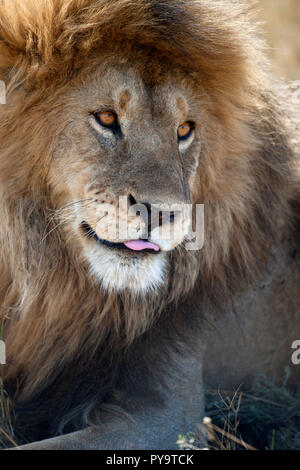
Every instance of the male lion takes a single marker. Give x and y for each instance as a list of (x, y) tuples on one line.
[(160, 102)]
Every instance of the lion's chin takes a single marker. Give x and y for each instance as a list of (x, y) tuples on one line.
[(116, 272)]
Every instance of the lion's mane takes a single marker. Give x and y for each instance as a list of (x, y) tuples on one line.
[(57, 324)]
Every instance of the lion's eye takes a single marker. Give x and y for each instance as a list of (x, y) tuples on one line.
[(185, 130), (106, 118)]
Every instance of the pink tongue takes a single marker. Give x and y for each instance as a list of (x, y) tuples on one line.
[(139, 245)]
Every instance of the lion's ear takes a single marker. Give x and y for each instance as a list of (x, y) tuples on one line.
[(8, 57), (27, 35), (13, 37), (40, 37), (11, 63)]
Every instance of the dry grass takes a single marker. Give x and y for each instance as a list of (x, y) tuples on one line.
[(266, 418)]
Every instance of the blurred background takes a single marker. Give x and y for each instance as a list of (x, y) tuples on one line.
[(282, 32)]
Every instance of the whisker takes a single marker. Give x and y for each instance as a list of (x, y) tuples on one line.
[(69, 205), (54, 228), (65, 214)]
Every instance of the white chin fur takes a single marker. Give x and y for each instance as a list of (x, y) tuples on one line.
[(139, 275)]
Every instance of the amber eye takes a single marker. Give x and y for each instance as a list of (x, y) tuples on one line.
[(106, 118), (185, 130)]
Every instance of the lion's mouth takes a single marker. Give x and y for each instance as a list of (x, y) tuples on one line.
[(137, 246)]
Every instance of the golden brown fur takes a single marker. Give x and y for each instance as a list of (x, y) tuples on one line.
[(54, 315)]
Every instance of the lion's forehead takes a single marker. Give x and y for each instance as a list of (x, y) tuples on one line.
[(132, 92)]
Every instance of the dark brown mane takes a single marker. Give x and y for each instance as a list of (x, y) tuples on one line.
[(52, 41)]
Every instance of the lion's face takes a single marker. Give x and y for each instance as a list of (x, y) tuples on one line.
[(123, 171)]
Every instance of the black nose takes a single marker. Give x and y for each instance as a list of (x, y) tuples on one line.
[(131, 200), (159, 216)]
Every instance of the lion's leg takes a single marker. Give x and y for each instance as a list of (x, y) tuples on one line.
[(160, 404)]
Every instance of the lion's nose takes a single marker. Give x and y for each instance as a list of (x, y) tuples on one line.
[(154, 215)]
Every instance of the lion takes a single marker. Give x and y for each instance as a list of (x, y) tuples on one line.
[(111, 340)]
